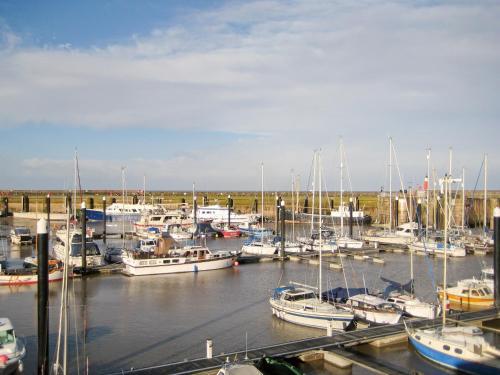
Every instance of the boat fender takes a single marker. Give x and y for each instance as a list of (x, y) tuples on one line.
[(236, 263)]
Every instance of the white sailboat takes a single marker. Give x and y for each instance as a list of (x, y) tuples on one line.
[(460, 348), (302, 304), (344, 241), (260, 247)]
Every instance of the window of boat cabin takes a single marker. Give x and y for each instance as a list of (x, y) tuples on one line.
[(481, 292), (6, 336), (475, 293), (458, 350)]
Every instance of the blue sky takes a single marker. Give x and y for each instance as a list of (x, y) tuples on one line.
[(203, 91)]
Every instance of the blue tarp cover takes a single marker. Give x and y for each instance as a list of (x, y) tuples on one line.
[(340, 294)]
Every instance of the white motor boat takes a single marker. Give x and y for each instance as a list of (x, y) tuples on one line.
[(437, 248), (166, 260), (21, 236), (301, 305), (177, 232), (348, 243), (260, 248), (374, 309), (12, 350), (94, 256), (404, 235), (219, 214)]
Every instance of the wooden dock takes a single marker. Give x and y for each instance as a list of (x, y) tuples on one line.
[(338, 342)]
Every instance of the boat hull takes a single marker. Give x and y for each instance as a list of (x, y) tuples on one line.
[(452, 362), (467, 299), (55, 275), (311, 319), (141, 267)]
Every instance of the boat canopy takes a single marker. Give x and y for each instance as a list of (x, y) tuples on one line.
[(409, 287), (341, 294)]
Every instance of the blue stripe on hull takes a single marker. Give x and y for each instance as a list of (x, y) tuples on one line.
[(453, 362)]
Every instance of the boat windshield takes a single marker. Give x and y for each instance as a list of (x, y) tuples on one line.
[(7, 337), (21, 231), (91, 249)]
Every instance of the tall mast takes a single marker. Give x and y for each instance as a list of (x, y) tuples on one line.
[(485, 192), (123, 206), (313, 190), (427, 194), (390, 183), (75, 185), (341, 189), (262, 199), (320, 235), (144, 190), (293, 206), (463, 199), (446, 177)]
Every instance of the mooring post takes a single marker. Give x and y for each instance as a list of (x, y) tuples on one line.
[(282, 229), (47, 204), (43, 295), (276, 222), (496, 256), (209, 348), (351, 219), (329, 329), (83, 216), (104, 219)]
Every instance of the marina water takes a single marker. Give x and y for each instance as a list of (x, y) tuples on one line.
[(123, 322)]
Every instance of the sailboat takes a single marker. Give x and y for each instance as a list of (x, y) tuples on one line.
[(302, 304), (344, 241), (260, 247), (460, 348)]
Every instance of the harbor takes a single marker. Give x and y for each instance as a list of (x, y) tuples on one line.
[(228, 306), (249, 187)]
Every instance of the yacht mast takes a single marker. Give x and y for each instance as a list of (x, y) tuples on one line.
[(427, 194), (390, 184), (123, 207), (341, 189), (463, 199), (144, 190), (262, 199), (75, 184), (293, 206), (485, 193), (313, 190), (446, 177), (320, 234)]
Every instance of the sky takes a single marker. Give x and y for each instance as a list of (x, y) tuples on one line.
[(203, 92)]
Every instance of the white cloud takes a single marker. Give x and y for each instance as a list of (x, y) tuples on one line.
[(293, 70)]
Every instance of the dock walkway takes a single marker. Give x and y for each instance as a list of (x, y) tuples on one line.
[(341, 341)]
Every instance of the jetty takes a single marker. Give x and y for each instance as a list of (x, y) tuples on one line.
[(339, 343)]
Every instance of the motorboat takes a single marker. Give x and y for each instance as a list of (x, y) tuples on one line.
[(301, 305), (343, 214), (487, 277), (437, 248), (259, 248), (374, 309), (345, 242), (228, 231), (28, 273), (167, 259), (177, 231), (94, 257), (403, 235), (161, 220), (219, 214), (21, 236), (472, 293), (12, 349)]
